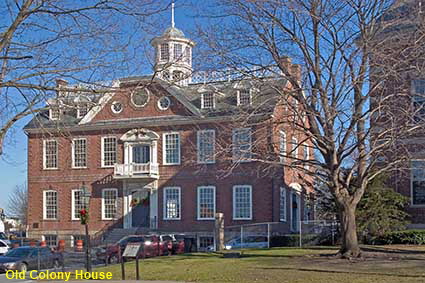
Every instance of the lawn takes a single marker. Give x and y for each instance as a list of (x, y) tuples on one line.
[(380, 265)]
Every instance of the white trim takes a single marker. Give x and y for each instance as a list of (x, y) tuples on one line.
[(45, 208), (214, 202), (73, 204), (282, 135), (44, 155), (294, 148), (103, 203), (136, 91), (233, 202), (164, 159), (159, 103), (239, 99), (164, 206), (73, 153), (198, 145), (51, 117), (203, 100), (102, 152), (239, 159), (283, 190), (79, 110), (113, 109)]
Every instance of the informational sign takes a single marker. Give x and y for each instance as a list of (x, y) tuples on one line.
[(131, 249)]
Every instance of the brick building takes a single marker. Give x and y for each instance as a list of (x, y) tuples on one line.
[(166, 152)]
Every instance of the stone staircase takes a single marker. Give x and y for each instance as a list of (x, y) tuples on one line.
[(116, 234)]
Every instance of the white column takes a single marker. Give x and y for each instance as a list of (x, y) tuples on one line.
[(153, 203), (126, 207)]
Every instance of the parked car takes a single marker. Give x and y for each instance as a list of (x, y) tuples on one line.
[(178, 243), (111, 253), (30, 258), (4, 247), (168, 243), (249, 242), (153, 246)]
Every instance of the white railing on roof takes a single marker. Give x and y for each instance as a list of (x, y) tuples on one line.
[(136, 170), (231, 75)]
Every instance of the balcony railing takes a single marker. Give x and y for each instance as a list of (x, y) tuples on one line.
[(136, 170)]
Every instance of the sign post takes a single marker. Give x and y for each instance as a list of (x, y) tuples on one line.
[(131, 250)]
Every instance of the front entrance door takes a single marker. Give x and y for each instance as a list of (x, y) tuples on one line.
[(295, 212), (140, 208), (141, 154)]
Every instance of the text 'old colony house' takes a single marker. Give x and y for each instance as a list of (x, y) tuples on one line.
[(164, 153)]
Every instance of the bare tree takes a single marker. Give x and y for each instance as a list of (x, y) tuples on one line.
[(82, 41), (341, 47), (17, 204)]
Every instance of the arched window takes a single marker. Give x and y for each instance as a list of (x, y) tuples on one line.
[(177, 76)]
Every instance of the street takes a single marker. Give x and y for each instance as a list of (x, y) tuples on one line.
[(3, 279)]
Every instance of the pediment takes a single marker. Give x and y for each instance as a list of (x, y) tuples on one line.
[(139, 135)]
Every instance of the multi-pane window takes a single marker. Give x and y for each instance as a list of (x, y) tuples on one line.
[(109, 203), (82, 110), (77, 203), (418, 182), (242, 202), (172, 203), (306, 155), (418, 99), (178, 51), (206, 202), (207, 100), (54, 113), (50, 204), (206, 146), (294, 149), (171, 148), (51, 240), (188, 54), (79, 150), (109, 151), (241, 144), (165, 52), (282, 206), (282, 146), (50, 154), (205, 242), (244, 97)]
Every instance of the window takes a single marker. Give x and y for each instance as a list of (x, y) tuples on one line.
[(140, 98), (77, 203), (206, 203), (165, 52), (242, 202), (306, 156), (50, 154), (282, 146), (82, 110), (207, 100), (206, 146), (116, 107), (51, 240), (109, 151), (418, 108), (241, 144), (178, 76), (164, 103), (171, 148), (178, 51), (172, 201), (166, 75), (79, 153), (188, 55), (418, 182), (282, 206), (205, 242), (244, 97), (294, 151), (109, 204), (54, 113), (50, 205)]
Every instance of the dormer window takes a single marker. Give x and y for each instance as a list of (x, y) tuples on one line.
[(244, 97), (207, 100), (54, 113), (82, 110), (165, 52), (178, 51)]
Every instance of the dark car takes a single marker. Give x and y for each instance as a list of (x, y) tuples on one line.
[(30, 258)]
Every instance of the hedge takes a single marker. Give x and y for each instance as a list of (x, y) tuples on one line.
[(406, 237)]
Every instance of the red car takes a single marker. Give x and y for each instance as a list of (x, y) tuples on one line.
[(178, 243), (153, 246), (113, 251)]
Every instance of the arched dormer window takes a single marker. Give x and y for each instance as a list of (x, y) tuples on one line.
[(244, 97), (208, 100)]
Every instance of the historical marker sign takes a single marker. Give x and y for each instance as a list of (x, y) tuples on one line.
[(131, 249)]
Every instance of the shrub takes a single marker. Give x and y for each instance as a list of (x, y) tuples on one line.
[(407, 237)]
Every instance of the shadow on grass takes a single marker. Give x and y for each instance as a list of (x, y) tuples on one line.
[(342, 272), (392, 251)]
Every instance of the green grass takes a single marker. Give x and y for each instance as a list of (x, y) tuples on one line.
[(277, 265)]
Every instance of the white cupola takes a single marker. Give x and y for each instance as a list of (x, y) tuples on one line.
[(173, 60)]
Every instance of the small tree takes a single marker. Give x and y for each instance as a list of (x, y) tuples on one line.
[(17, 205)]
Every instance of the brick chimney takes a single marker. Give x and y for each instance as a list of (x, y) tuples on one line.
[(61, 83), (293, 69)]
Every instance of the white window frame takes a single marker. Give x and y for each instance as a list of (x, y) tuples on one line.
[(198, 202), (103, 151), (198, 143), (51, 114), (203, 100), (44, 155), (73, 153), (239, 157), (282, 141), (239, 97), (164, 157), (294, 148), (164, 56), (73, 204), (79, 107), (104, 206), (164, 206), (234, 202), (178, 57), (284, 204), (45, 203), (306, 155)]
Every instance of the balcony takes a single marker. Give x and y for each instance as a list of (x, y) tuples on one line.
[(136, 171)]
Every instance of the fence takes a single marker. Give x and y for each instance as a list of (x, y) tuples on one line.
[(280, 234)]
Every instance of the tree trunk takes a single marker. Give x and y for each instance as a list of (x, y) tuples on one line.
[(350, 244)]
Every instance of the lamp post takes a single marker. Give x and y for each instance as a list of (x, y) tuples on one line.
[(84, 220)]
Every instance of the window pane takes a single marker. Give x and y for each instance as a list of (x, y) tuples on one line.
[(51, 241), (78, 203), (206, 202), (51, 205), (206, 146), (418, 182), (109, 151), (80, 152), (109, 203), (178, 51), (282, 204), (50, 154), (244, 97), (165, 52), (241, 144), (172, 149), (172, 203), (208, 100), (242, 202)]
